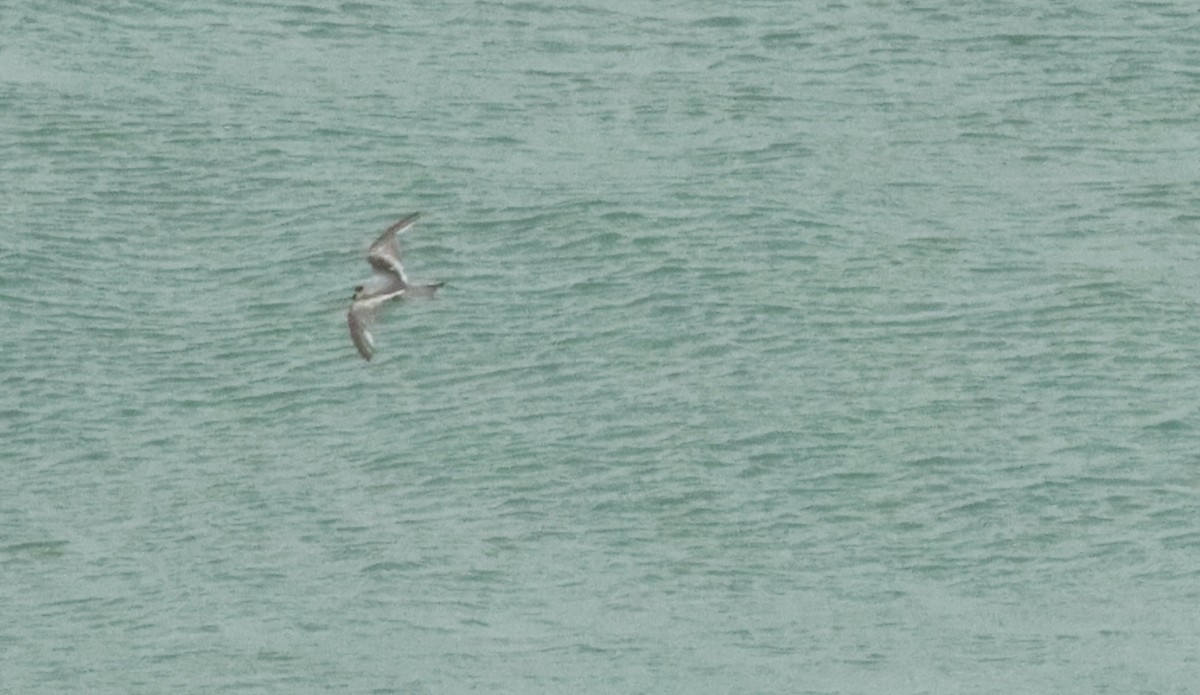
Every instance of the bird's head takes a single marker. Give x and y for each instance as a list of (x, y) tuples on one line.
[(358, 290)]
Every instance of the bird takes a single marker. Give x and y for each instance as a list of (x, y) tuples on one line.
[(388, 281)]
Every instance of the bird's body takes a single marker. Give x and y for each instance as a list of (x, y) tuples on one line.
[(387, 282)]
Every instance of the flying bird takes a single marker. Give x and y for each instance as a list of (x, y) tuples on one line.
[(387, 282)]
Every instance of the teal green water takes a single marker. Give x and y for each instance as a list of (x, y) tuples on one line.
[(785, 348)]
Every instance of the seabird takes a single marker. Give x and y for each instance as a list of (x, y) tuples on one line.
[(387, 282)]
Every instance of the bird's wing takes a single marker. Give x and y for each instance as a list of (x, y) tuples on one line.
[(359, 319), (385, 253)]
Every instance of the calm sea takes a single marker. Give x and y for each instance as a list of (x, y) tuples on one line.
[(784, 347)]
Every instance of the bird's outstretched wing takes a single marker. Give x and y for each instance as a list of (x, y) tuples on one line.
[(385, 253), (360, 319)]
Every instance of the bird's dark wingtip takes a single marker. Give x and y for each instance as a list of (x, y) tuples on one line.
[(405, 222)]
